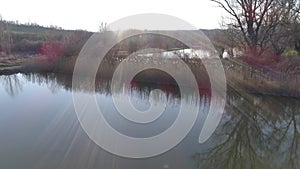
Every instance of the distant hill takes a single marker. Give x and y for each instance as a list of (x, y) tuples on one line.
[(28, 39)]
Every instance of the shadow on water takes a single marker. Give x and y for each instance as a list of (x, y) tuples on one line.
[(256, 131)]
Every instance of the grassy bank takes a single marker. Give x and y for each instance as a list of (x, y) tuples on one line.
[(240, 75)]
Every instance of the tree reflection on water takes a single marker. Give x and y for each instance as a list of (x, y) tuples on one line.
[(256, 131), (12, 84)]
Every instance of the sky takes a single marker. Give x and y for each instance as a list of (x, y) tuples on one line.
[(88, 14)]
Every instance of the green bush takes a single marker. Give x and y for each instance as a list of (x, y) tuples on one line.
[(290, 53)]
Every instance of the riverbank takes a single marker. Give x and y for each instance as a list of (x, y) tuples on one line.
[(264, 80), (240, 75), (13, 65), (34, 64)]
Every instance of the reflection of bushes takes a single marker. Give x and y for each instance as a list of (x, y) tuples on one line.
[(12, 84)]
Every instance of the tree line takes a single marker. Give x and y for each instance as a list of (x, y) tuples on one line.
[(257, 26)]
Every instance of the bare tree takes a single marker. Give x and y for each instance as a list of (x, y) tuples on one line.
[(297, 45), (259, 20), (6, 40), (103, 27)]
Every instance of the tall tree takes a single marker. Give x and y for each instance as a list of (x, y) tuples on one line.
[(259, 20)]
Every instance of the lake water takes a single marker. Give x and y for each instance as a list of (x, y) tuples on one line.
[(39, 128)]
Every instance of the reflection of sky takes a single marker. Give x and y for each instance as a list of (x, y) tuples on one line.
[(39, 129), (25, 118), (32, 100), (30, 94)]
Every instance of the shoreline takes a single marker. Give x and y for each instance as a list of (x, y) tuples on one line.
[(245, 78)]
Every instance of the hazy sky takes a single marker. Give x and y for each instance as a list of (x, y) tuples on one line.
[(87, 14)]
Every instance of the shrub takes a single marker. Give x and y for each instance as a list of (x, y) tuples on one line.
[(52, 50), (27, 46), (74, 41), (290, 53)]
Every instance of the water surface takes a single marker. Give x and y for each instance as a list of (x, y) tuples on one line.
[(39, 128)]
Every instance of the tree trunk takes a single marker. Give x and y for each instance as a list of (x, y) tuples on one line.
[(297, 45)]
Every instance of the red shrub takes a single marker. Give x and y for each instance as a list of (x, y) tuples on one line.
[(52, 50)]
